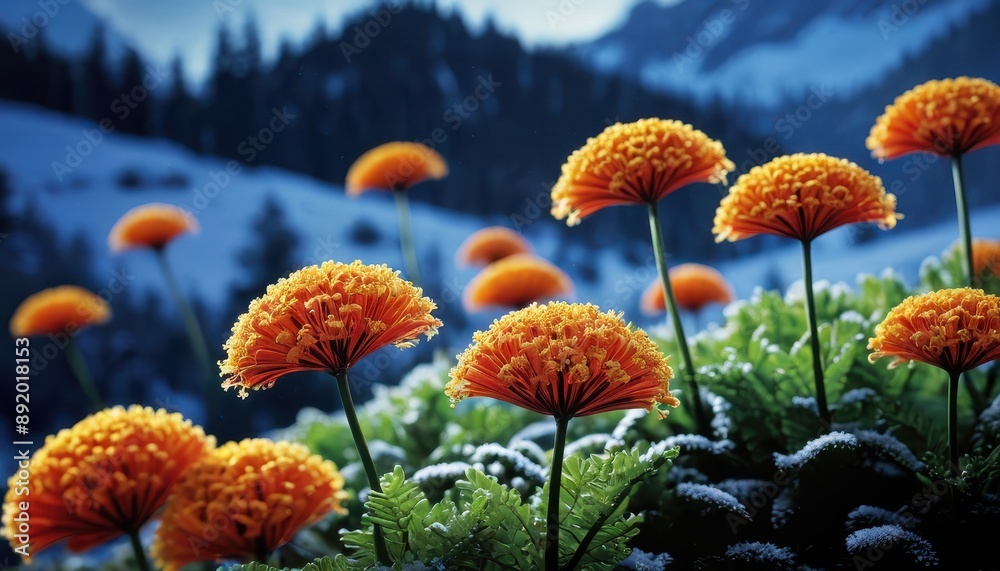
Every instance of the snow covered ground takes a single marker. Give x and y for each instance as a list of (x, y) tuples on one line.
[(88, 201)]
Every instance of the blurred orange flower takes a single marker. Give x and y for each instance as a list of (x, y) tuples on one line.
[(635, 163), (151, 226), (986, 256), (952, 329), (324, 318), (947, 117), (104, 477), (490, 244), (62, 309), (243, 501), (564, 360), (514, 282), (695, 286), (394, 166), (802, 196)]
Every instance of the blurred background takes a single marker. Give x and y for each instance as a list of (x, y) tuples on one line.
[(248, 113)]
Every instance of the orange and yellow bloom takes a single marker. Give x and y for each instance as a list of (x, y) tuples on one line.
[(324, 318), (491, 244), (394, 166), (695, 286), (151, 226), (243, 501), (62, 309), (803, 196), (636, 163), (564, 360), (986, 257), (952, 329), (105, 477), (947, 117), (516, 281)]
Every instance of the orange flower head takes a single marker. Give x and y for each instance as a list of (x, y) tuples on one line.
[(514, 282), (490, 244), (636, 163), (324, 318), (151, 226), (394, 166), (947, 117), (104, 477), (564, 360), (695, 286), (802, 196), (243, 501), (986, 257), (62, 309), (953, 329)]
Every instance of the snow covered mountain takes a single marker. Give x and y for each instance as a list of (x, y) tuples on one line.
[(764, 52), (67, 26)]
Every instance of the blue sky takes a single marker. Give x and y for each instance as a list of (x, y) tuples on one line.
[(187, 27)]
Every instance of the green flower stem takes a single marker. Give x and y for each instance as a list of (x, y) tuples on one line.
[(953, 422), (79, 368), (963, 220), (195, 335), (406, 236), (824, 411), (381, 551), (555, 484), (140, 553), (701, 419)]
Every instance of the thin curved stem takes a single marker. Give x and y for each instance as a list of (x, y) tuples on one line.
[(953, 422), (406, 237), (555, 485), (381, 551), (964, 230), (79, 368), (824, 411), (140, 553), (700, 416), (195, 336)]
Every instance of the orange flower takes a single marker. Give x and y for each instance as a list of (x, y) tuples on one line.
[(636, 163), (490, 244), (104, 477), (986, 257), (151, 226), (952, 329), (394, 166), (62, 309), (802, 196), (324, 318), (947, 117), (564, 360), (243, 501), (695, 286), (514, 282)]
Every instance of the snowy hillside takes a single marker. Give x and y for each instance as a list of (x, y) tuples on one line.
[(88, 201), (762, 52)]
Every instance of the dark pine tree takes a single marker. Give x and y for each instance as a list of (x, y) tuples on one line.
[(131, 109), (96, 84), (180, 109)]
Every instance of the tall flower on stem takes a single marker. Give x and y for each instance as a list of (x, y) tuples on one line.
[(105, 477), (491, 244), (154, 226), (955, 330), (326, 318), (563, 360), (244, 500), (61, 312), (516, 281), (640, 163), (803, 196), (395, 167), (695, 286), (949, 118)]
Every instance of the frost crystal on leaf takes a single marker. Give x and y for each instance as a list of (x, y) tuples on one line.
[(642, 561), (757, 552), (891, 446), (813, 449), (856, 396), (870, 516), (519, 463), (888, 537), (437, 474), (713, 497), (692, 442)]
